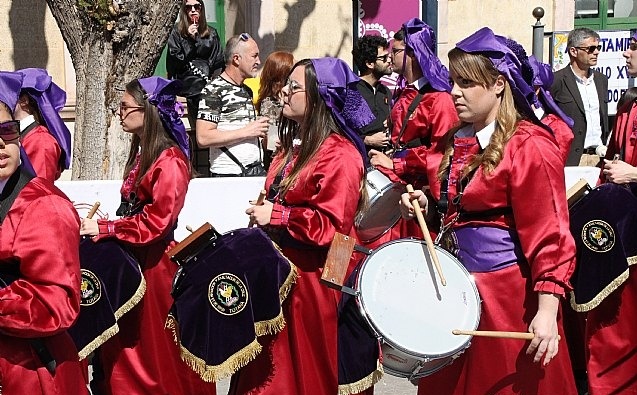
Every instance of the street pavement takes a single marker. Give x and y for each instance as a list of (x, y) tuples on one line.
[(389, 385)]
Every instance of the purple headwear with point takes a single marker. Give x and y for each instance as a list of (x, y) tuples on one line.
[(634, 36), (543, 78), (337, 86), (162, 94), (421, 38), (10, 85), (485, 42), (50, 99)]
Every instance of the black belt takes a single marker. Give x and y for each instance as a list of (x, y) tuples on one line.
[(224, 175), (590, 150)]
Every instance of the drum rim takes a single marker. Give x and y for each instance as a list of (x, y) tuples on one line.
[(379, 334), (373, 201)]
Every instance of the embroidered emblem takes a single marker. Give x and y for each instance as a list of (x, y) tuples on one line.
[(228, 294), (598, 236), (90, 288)]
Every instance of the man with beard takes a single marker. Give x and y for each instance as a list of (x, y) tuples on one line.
[(372, 57)]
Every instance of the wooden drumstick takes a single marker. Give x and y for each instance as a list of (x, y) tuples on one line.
[(499, 334), (189, 228), (259, 202), (425, 231), (93, 210)]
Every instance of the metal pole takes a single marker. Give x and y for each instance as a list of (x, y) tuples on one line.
[(538, 34)]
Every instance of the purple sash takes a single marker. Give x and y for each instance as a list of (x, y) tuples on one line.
[(484, 248)]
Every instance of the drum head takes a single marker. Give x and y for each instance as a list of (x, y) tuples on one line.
[(401, 296)]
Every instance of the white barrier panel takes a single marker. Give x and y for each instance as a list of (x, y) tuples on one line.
[(220, 201), (574, 173)]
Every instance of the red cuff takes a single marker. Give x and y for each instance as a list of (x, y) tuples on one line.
[(106, 229), (399, 166), (550, 287), (280, 215)]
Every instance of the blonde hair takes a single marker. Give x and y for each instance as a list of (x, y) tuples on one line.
[(479, 69)]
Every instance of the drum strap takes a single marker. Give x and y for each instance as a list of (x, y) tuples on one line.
[(410, 110), (11, 190)]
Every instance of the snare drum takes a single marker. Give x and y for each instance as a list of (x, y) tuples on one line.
[(402, 300), (383, 211)]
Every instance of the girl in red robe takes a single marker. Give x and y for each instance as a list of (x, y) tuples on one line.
[(315, 185), (143, 358), (503, 178), (39, 271)]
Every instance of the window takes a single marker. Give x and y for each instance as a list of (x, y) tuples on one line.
[(606, 14)]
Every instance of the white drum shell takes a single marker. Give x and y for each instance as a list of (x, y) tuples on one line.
[(383, 211), (402, 299)]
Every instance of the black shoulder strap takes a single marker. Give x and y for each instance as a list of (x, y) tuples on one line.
[(410, 110), (12, 189), (234, 158), (28, 129)]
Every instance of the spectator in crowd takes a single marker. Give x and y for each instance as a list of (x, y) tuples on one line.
[(580, 91), (227, 121)]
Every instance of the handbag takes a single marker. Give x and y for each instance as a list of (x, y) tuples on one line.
[(254, 169)]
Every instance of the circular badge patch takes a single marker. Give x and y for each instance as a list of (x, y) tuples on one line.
[(228, 294), (598, 236), (90, 288)]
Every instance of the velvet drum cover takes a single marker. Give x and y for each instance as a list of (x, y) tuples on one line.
[(111, 285), (227, 295), (604, 225)]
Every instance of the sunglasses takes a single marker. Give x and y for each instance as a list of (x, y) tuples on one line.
[(10, 130), (383, 58), (244, 36), (195, 7), (590, 49)]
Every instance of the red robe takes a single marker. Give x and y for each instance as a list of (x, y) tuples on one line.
[(43, 152), (530, 180), (611, 343), (302, 359), (41, 232), (562, 132), (143, 358)]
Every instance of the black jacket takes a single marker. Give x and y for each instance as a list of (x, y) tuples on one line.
[(566, 94), (194, 61)]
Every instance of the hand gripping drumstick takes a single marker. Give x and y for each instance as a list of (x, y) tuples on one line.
[(425, 231), (259, 202), (499, 334), (93, 210)]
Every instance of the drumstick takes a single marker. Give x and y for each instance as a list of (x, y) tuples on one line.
[(259, 202), (615, 158), (93, 210), (425, 231), (189, 228), (499, 334)]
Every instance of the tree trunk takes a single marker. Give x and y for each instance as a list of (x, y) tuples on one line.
[(110, 45)]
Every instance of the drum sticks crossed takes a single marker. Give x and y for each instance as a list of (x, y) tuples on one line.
[(425, 232)]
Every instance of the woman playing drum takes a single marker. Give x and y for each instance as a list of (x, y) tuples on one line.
[(315, 183), (507, 222), (143, 358)]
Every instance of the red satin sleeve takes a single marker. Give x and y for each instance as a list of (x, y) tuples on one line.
[(45, 300), (43, 152), (538, 200), (562, 132), (325, 198), (167, 180)]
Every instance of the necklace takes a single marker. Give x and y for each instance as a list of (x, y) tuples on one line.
[(231, 79)]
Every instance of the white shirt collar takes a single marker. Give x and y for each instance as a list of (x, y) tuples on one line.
[(26, 122), (483, 136), (420, 82)]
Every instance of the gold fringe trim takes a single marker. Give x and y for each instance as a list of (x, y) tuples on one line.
[(289, 282), (98, 341), (171, 323), (601, 295), (362, 384), (631, 260), (132, 302), (214, 373), (270, 327)]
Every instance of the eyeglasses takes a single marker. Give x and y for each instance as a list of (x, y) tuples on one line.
[(396, 51), (294, 87), (123, 107), (244, 36), (195, 7), (383, 58), (590, 49), (10, 130)]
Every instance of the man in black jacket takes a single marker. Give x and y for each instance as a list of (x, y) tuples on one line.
[(581, 93)]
